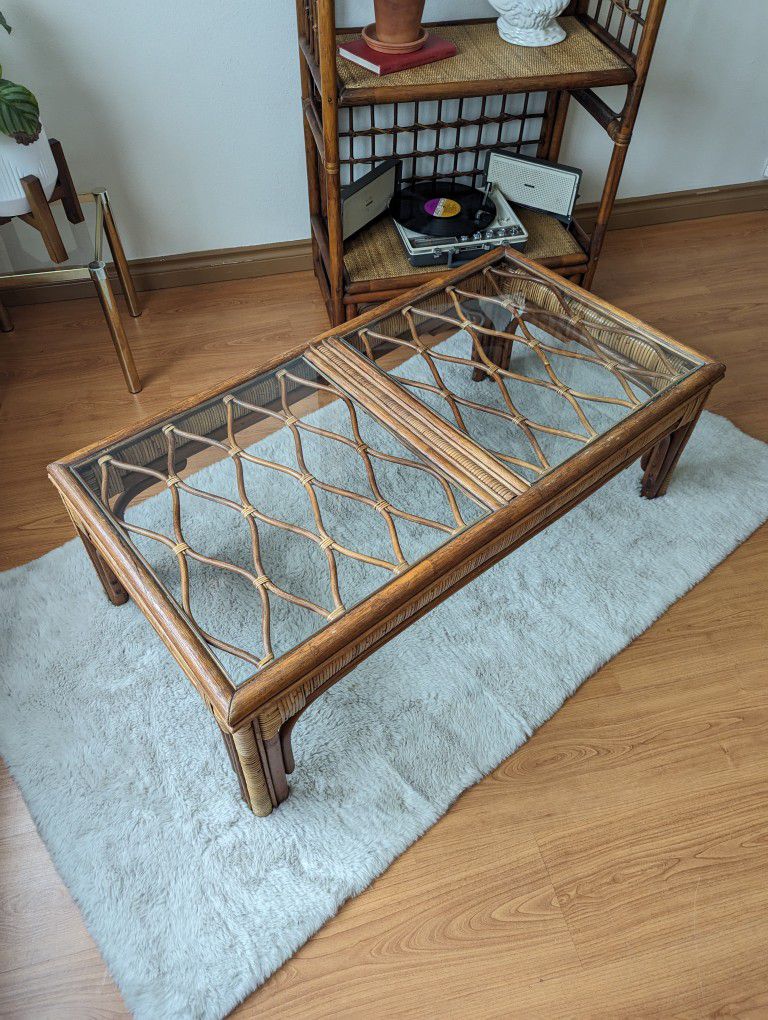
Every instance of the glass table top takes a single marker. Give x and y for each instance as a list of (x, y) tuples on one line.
[(271, 509), (521, 366)]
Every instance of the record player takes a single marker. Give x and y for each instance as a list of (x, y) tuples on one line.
[(444, 223), (461, 236)]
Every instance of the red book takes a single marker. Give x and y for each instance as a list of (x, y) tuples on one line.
[(358, 51)]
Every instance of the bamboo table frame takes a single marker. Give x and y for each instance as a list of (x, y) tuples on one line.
[(663, 387)]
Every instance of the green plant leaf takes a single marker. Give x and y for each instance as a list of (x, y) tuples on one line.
[(4, 24), (19, 112)]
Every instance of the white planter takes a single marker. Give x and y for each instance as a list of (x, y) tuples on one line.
[(530, 22), (17, 161)]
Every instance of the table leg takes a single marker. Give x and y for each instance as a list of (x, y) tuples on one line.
[(249, 758), (116, 331), (659, 462), (277, 770), (6, 322), (260, 766), (118, 257), (114, 591)]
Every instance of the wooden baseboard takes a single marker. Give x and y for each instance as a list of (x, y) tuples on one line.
[(184, 270), (671, 206), (290, 256)]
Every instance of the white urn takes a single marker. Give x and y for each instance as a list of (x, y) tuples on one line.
[(17, 161), (530, 22)]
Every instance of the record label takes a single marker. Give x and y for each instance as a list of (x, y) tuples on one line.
[(442, 208)]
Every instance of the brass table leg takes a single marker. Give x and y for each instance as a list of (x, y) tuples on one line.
[(111, 314), (118, 255)]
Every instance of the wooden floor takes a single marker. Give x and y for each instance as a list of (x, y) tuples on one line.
[(615, 866)]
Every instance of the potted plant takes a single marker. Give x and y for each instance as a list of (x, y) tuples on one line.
[(24, 148)]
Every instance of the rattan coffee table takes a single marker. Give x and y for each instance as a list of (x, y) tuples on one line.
[(306, 514)]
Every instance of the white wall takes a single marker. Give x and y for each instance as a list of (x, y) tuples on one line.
[(188, 111), (703, 120)]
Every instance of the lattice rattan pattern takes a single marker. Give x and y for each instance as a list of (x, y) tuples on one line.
[(446, 139), (560, 317), (246, 506), (650, 365), (623, 20)]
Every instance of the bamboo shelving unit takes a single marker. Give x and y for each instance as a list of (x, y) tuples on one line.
[(441, 120)]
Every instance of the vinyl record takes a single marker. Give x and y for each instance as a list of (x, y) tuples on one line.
[(442, 209)]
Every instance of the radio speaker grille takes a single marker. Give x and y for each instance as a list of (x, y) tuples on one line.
[(534, 184)]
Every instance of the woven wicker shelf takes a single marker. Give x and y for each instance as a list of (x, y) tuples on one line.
[(377, 252), (486, 65)]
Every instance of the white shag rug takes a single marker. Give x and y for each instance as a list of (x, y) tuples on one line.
[(193, 901)]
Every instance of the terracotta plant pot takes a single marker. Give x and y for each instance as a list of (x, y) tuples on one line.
[(398, 26)]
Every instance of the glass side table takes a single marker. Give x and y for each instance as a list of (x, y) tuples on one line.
[(97, 272)]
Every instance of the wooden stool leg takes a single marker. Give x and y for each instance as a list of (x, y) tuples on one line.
[(6, 323), (69, 197), (41, 218), (116, 331), (118, 257)]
